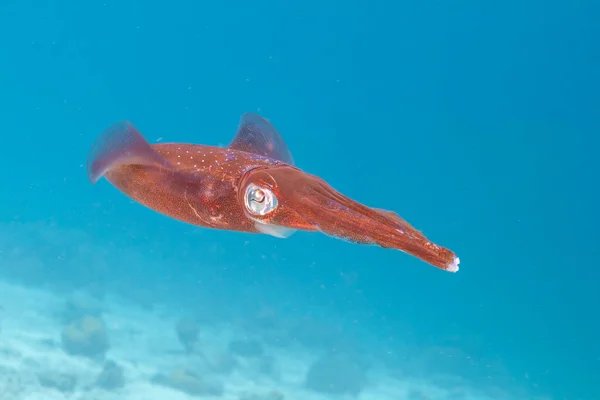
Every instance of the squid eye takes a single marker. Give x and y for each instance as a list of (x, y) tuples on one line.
[(257, 195), (259, 201)]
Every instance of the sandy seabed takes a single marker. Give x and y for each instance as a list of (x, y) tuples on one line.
[(35, 366)]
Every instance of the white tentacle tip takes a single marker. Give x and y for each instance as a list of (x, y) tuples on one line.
[(453, 266)]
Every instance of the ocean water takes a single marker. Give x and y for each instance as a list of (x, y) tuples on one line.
[(476, 122)]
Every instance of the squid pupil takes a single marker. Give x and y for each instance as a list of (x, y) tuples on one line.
[(259, 196)]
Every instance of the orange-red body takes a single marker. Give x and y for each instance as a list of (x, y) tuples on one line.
[(201, 190), (250, 186)]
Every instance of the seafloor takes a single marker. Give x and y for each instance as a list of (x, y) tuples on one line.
[(89, 348), (84, 331)]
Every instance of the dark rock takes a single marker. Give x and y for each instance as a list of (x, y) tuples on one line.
[(111, 377), (86, 337)]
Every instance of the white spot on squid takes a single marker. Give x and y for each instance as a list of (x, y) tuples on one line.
[(216, 218)]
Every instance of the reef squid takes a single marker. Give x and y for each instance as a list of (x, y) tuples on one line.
[(252, 185)]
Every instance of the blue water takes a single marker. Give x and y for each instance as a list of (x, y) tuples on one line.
[(478, 123)]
